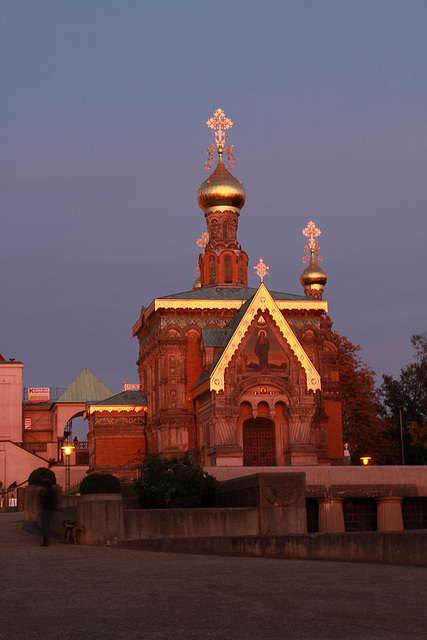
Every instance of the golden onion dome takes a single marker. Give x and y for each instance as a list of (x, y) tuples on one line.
[(221, 188), (313, 275)]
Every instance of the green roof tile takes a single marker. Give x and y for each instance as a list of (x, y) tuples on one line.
[(213, 337), (225, 293), (85, 388), (134, 398)]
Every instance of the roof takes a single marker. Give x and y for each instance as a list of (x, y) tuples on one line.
[(213, 337), (261, 301), (226, 336), (134, 398), (230, 298), (85, 388), (226, 293)]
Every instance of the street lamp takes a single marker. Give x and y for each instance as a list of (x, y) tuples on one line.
[(144, 426), (365, 460), (68, 450)]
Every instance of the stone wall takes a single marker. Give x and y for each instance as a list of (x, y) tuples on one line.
[(409, 548), (177, 523)]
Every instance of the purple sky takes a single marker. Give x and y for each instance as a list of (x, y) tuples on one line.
[(103, 141)]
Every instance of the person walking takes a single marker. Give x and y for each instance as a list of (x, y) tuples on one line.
[(48, 504)]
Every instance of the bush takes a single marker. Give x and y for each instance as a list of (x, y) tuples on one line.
[(128, 491), (100, 483), (174, 483), (42, 473)]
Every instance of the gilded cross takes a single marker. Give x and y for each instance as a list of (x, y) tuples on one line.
[(311, 232), (203, 241), (261, 270), (219, 123)]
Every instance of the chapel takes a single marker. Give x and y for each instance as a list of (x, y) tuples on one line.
[(240, 376)]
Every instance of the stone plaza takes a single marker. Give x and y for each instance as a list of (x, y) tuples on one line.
[(66, 591)]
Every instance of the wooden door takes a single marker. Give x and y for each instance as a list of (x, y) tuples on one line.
[(258, 443)]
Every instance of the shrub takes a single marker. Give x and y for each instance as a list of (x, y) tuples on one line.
[(174, 483), (100, 483), (42, 473)]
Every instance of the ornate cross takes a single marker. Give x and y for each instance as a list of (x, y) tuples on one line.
[(311, 232), (203, 241), (261, 270), (219, 124)]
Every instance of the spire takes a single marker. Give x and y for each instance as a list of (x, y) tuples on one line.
[(313, 278), (221, 197)]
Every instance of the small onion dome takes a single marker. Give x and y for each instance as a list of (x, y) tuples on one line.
[(197, 284), (221, 188), (313, 279)]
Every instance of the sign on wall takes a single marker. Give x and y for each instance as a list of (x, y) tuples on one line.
[(38, 394)]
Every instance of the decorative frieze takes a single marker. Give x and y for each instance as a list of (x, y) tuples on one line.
[(198, 322), (119, 421)]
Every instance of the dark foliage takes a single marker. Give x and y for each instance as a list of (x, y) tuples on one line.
[(364, 428), (408, 396), (174, 483), (39, 475), (100, 483)]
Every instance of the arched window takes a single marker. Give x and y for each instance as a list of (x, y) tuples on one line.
[(211, 269), (227, 269), (241, 272), (224, 229), (215, 229)]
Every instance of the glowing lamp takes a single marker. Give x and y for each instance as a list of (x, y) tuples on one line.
[(365, 460), (67, 450)]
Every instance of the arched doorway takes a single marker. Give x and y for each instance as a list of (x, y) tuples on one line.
[(258, 443)]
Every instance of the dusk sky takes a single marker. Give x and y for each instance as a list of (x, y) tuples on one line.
[(103, 142)]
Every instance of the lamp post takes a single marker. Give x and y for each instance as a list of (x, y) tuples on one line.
[(144, 428), (68, 450)]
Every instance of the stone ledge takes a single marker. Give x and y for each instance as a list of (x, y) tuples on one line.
[(407, 548)]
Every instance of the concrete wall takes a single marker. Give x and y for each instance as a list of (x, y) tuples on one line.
[(100, 514), (105, 519), (413, 477), (222, 531), (408, 548), (170, 523), (280, 498)]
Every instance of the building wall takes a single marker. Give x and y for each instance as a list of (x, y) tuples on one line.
[(16, 463), (172, 357), (11, 401), (117, 450)]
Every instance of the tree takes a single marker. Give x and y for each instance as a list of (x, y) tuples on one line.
[(407, 397), (366, 432), (171, 483)]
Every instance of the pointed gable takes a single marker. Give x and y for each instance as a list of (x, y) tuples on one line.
[(262, 301), (86, 388)]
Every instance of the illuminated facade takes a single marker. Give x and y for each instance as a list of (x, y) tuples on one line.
[(117, 432), (245, 376)]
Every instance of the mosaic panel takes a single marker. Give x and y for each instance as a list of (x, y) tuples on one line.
[(199, 322), (300, 323)]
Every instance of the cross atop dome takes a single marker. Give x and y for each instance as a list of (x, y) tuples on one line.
[(313, 278), (311, 232), (219, 123)]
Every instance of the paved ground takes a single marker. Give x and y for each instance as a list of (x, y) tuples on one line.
[(80, 592)]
